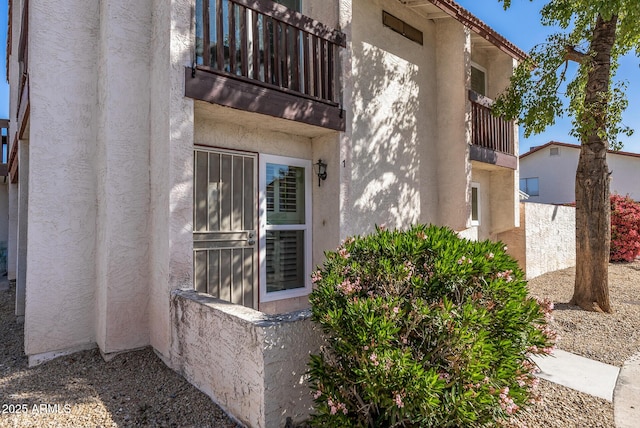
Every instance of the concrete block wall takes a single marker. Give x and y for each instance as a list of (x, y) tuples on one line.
[(251, 364), (545, 240)]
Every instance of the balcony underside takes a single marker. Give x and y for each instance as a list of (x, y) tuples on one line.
[(493, 157), (248, 95)]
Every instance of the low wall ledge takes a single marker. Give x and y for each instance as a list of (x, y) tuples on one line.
[(252, 316)]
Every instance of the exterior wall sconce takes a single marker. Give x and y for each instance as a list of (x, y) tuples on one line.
[(320, 169)]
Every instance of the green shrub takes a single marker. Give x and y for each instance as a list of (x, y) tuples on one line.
[(424, 329)]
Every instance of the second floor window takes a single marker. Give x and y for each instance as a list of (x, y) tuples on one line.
[(478, 80), (291, 4)]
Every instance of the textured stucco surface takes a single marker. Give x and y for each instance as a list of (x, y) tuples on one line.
[(545, 240), (453, 50), (12, 238), (550, 236), (62, 202), (23, 226), (122, 172), (390, 174), (251, 364), (171, 164)]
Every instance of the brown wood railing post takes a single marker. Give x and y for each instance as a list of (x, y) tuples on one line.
[(219, 35), (206, 36), (255, 58), (244, 44)]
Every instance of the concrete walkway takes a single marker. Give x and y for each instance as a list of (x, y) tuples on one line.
[(626, 396), (620, 386)]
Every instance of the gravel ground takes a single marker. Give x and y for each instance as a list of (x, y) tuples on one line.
[(137, 389), (81, 390)]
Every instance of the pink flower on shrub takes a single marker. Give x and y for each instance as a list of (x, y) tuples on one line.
[(490, 255), (506, 402), (344, 253), (396, 309), (398, 400), (316, 276), (625, 228), (317, 394), (506, 275), (374, 359), (444, 376), (421, 235), (348, 287)]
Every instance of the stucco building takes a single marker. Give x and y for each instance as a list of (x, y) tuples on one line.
[(548, 173), (164, 154)]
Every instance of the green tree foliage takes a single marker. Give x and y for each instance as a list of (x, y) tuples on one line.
[(535, 96), (424, 329)]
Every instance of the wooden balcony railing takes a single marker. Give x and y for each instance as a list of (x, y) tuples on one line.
[(4, 133), (264, 44), (488, 131)]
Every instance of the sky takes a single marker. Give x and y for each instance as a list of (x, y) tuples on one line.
[(520, 25), (4, 86)]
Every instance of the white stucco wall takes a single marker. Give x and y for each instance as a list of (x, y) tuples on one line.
[(251, 364), (454, 126), (545, 240), (12, 239), (61, 243), (390, 174), (122, 171), (625, 175), (550, 236), (171, 165)]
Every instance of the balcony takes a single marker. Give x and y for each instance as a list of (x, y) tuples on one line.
[(259, 56), (492, 138), (4, 132)]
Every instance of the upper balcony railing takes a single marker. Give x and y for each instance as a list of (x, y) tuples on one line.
[(489, 131), (4, 133), (265, 45)]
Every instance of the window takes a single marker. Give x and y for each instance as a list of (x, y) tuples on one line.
[(401, 27), (475, 204), (285, 227), (530, 186), (554, 151), (291, 4), (478, 79)]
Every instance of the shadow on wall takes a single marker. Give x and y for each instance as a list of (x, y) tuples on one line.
[(386, 155)]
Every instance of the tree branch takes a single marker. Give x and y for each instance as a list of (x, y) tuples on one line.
[(571, 54)]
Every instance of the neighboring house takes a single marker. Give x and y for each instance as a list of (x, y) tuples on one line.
[(164, 153), (548, 173)]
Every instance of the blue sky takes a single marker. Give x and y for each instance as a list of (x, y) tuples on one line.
[(4, 86), (520, 24)]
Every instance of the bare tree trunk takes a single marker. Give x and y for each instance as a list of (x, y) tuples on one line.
[(593, 209)]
